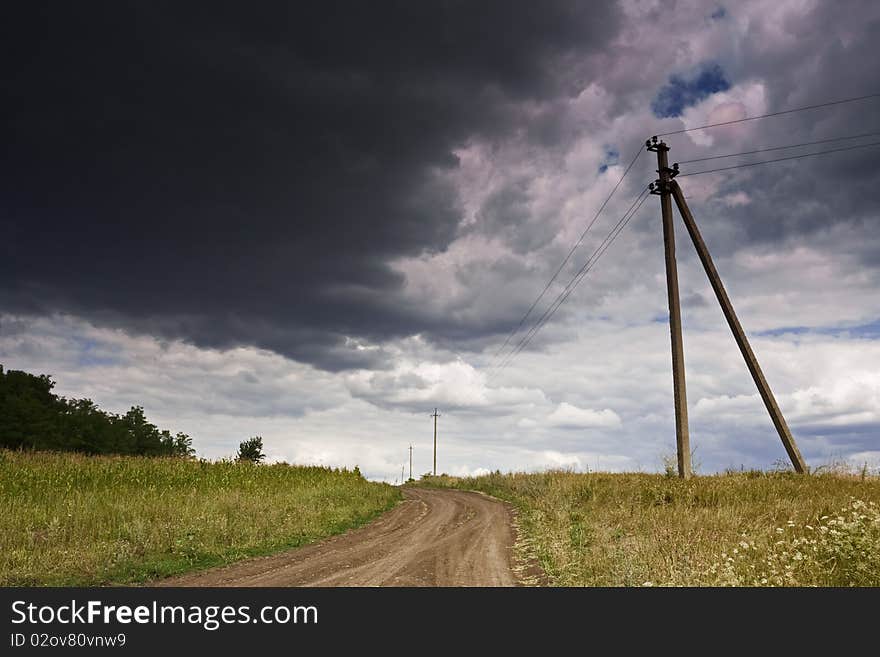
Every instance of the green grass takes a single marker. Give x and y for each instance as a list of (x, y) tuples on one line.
[(69, 519), (738, 529)]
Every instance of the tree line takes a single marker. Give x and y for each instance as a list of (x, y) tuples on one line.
[(34, 417)]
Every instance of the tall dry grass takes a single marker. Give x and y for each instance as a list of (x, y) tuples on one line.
[(742, 529), (69, 519)]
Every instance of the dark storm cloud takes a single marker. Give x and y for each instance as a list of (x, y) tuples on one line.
[(507, 211), (796, 203), (812, 57), (244, 174), (789, 205)]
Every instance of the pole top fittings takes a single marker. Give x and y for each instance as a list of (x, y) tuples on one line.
[(653, 144)]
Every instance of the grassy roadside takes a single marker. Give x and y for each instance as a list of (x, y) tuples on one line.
[(742, 529), (88, 520)]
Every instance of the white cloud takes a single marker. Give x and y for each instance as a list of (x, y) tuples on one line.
[(464, 471), (736, 199), (740, 101), (569, 416), (554, 459)]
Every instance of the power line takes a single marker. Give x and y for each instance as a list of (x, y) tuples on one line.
[(781, 159), (576, 279), (764, 116), (780, 148), (560, 299), (565, 261)]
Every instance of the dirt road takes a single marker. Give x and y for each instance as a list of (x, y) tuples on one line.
[(433, 538)]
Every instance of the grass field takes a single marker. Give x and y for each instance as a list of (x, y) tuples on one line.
[(84, 520), (742, 529)]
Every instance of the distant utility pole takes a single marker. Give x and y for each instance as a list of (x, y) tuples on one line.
[(410, 461), (665, 186), (435, 416), (401, 474)]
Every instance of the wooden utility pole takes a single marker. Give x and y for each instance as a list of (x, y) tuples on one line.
[(661, 187), (738, 333), (435, 416), (410, 462)]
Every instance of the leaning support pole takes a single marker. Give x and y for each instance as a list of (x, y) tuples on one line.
[(661, 187), (739, 335)]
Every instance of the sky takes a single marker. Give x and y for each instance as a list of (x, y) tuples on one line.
[(317, 222)]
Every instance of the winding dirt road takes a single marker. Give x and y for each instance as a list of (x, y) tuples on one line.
[(433, 538)]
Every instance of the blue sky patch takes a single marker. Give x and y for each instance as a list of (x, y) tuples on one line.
[(612, 157), (682, 92), (92, 354), (870, 331)]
